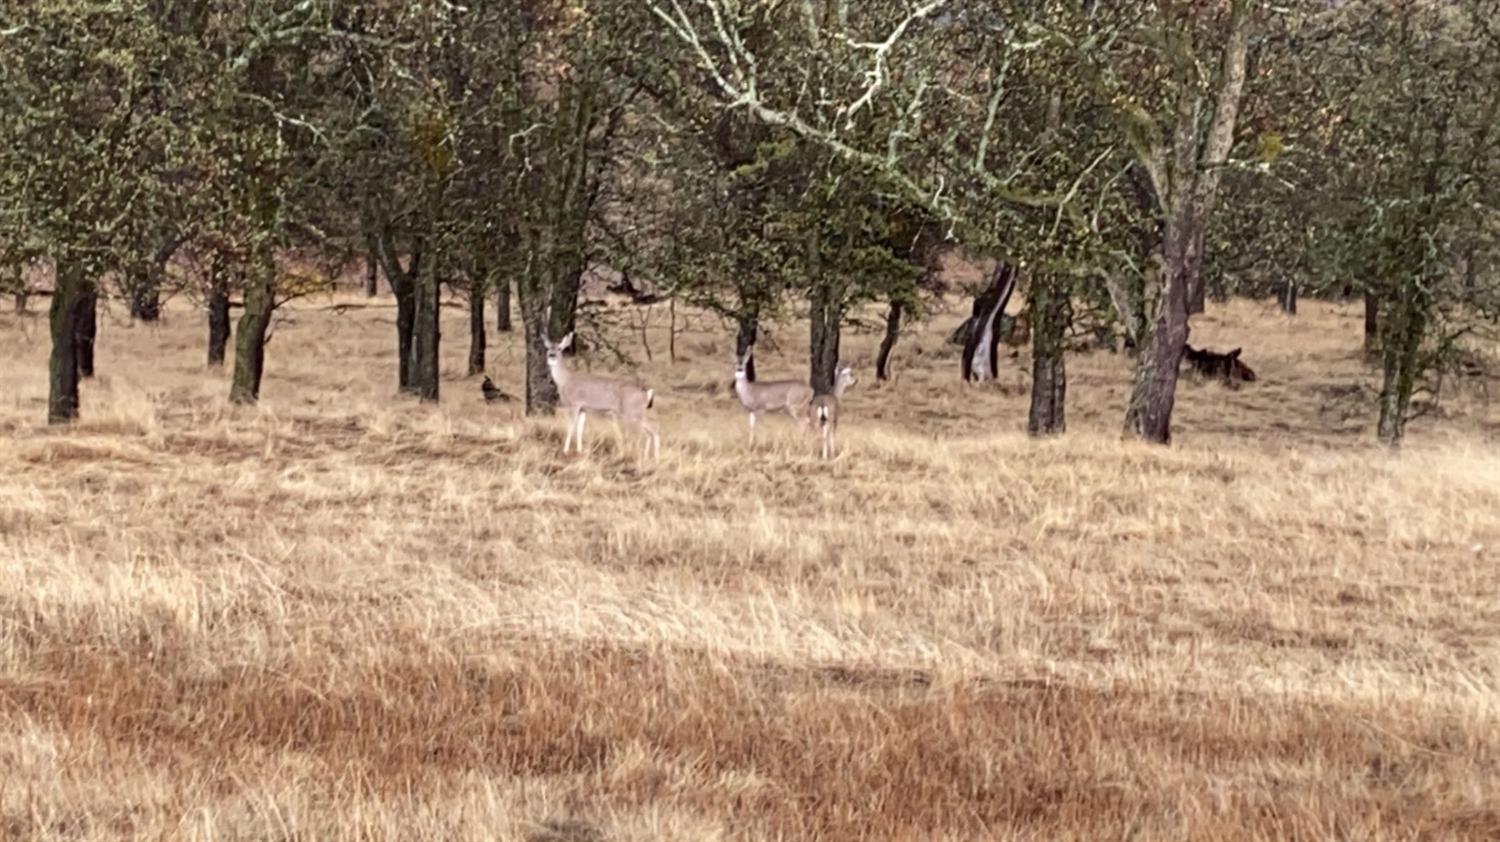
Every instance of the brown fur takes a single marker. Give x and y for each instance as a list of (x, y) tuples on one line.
[(1225, 367)]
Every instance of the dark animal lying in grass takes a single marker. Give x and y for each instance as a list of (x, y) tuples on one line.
[(492, 392), (1225, 367)]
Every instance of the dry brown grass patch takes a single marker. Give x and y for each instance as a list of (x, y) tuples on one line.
[(344, 615)]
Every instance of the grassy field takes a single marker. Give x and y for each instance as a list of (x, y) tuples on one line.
[(345, 616)]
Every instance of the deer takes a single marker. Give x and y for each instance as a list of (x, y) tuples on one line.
[(769, 396), (586, 393), (825, 408)]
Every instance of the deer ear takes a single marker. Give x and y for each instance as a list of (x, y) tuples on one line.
[(1235, 354), (566, 343)]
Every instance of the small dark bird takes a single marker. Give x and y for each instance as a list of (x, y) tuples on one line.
[(492, 392)]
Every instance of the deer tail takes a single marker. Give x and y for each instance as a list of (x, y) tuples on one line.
[(823, 416), (650, 397)]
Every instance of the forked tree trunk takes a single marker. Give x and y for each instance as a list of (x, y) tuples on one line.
[(1185, 179), (1051, 312), (64, 317), (888, 344), (981, 356), (250, 335), (88, 329), (476, 330)]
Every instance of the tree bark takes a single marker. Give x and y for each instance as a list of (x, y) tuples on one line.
[(1197, 293), (218, 322), (64, 316), (424, 363), (888, 344), (1405, 325), (403, 286), (88, 329), (981, 357), (476, 331), (502, 304), (1051, 312), (144, 296), (827, 316), (541, 392), (372, 266), (1372, 323), (250, 335), (1155, 391)]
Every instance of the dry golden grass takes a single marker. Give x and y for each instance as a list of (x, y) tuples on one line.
[(346, 616)]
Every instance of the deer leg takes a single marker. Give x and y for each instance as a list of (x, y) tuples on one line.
[(582, 418), (752, 429), (572, 425), (650, 439)]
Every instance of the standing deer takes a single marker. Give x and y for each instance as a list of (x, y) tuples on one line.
[(769, 396), (585, 393), (825, 408)]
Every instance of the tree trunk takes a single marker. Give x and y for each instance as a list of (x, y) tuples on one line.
[(541, 392), (1286, 297), (250, 335), (144, 296), (476, 331), (218, 323), (1186, 184), (1197, 294), (981, 357), (1405, 326), (1051, 312), (18, 286), (888, 344), (66, 313), (1155, 391), (502, 305), (88, 329), (1372, 323), (424, 362), (827, 316), (372, 266)]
